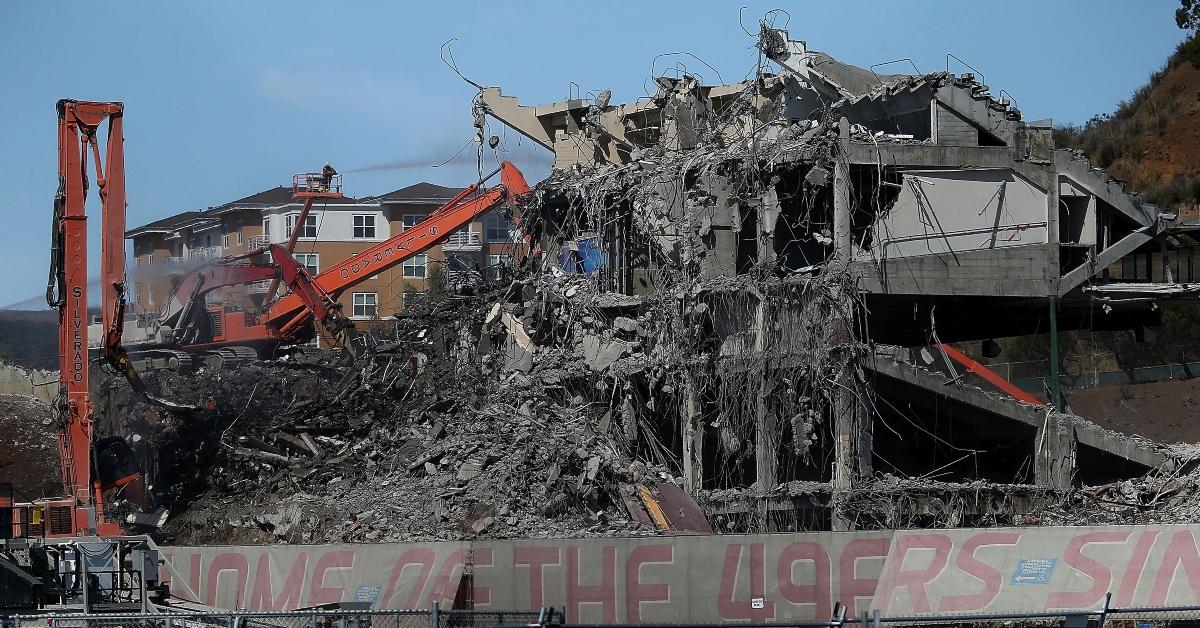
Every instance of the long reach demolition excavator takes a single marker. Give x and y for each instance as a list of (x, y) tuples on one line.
[(63, 554), (189, 331)]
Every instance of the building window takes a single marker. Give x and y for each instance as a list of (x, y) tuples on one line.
[(225, 240), (266, 234), (239, 236), (364, 226), (410, 220), (208, 240), (308, 230), (497, 264), (366, 304), (415, 266), (497, 228), (149, 259), (310, 262)]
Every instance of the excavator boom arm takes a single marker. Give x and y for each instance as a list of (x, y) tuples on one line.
[(412, 241)]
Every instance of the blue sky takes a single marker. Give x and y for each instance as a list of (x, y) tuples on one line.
[(225, 98)]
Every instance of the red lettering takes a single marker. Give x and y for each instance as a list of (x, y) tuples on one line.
[(818, 593), (728, 606), (318, 593), (262, 596), (445, 580), (228, 561), (418, 556), (991, 577), (851, 588), (537, 558), (913, 581), (1134, 568), (604, 593), (191, 586), (637, 591), (1096, 571), (482, 557), (1180, 552)]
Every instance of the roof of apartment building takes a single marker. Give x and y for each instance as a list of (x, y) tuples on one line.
[(170, 223), (420, 193), (273, 197)]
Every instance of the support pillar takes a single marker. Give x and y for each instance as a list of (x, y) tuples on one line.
[(1055, 383), (693, 439), (1055, 461), (766, 428), (852, 421)]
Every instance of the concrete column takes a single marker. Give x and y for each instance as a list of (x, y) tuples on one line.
[(766, 428), (852, 423), (1055, 461), (693, 439), (841, 196)]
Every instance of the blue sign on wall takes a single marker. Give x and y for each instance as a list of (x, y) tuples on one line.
[(1033, 571)]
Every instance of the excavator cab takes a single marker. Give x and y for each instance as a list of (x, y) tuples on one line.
[(115, 462)]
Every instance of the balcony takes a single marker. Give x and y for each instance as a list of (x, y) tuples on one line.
[(463, 241), (204, 253), (255, 243)]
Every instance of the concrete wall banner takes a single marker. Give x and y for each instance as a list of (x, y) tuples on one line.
[(710, 578)]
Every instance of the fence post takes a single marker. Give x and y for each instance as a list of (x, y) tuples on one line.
[(1104, 610), (435, 619), (875, 619)]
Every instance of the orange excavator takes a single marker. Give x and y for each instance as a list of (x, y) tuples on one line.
[(189, 329), (63, 552)]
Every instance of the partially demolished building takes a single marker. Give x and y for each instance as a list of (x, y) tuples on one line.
[(775, 264), (732, 313)]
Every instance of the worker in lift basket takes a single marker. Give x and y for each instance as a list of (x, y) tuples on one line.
[(327, 175)]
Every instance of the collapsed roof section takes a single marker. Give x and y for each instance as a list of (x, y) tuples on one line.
[(949, 191)]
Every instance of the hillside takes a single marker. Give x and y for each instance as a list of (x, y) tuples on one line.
[(29, 338), (1153, 139)]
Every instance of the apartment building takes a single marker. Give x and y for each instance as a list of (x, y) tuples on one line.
[(166, 249)]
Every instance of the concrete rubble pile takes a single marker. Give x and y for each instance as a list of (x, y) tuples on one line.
[(479, 442)]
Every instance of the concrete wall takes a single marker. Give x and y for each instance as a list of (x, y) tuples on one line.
[(962, 210), (951, 129), (719, 578), (15, 380)]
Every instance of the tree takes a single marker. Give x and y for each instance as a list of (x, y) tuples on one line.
[(1187, 16)]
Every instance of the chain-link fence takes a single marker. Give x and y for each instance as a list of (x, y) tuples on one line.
[(1101, 617), (402, 618)]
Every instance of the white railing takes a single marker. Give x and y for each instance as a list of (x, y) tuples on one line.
[(463, 241), (174, 261), (257, 242), (205, 253)]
